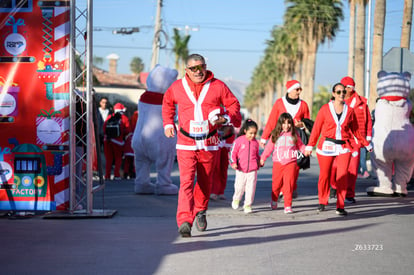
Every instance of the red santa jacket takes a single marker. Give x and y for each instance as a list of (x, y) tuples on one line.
[(196, 130), (298, 111), (362, 113), (337, 137)]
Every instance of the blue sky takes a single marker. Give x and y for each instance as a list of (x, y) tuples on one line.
[(231, 34)]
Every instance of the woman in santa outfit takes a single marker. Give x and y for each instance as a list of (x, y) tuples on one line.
[(198, 97), (336, 125), (363, 116), (293, 105)]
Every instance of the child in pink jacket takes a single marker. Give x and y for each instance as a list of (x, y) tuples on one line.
[(284, 145), (244, 158)]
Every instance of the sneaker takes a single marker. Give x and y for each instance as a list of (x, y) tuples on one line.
[(273, 205), (288, 210), (213, 197), (248, 209), (365, 175), (294, 194), (185, 230), (350, 200), (321, 208), (201, 221), (235, 204), (341, 212), (222, 197)]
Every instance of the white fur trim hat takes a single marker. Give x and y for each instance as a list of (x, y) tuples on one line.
[(292, 85), (119, 107), (348, 82)]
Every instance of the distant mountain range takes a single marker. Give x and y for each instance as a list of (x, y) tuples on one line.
[(237, 87)]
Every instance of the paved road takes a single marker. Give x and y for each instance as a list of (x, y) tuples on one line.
[(141, 238)]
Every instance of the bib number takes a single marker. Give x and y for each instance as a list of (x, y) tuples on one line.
[(199, 128), (329, 147)]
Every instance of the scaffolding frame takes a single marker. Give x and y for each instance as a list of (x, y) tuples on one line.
[(81, 186)]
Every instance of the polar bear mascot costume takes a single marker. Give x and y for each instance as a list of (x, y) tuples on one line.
[(150, 144), (393, 136)]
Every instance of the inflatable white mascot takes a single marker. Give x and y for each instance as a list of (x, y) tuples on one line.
[(150, 144), (393, 136)]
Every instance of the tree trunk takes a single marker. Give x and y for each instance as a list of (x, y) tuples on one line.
[(360, 49), (407, 23), (351, 46), (312, 48), (377, 48)]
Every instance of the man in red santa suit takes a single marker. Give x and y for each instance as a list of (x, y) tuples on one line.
[(293, 105), (198, 98)]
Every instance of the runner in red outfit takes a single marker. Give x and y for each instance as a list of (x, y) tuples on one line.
[(336, 125), (198, 98)]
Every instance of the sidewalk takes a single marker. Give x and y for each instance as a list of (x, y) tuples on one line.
[(142, 238)]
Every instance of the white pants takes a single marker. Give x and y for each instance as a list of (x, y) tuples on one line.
[(245, 183)]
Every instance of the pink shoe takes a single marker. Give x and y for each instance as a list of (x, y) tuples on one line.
[(288, 210), (365, 175)]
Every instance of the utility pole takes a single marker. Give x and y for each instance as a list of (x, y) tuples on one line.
[(156, 41), (368, 51)]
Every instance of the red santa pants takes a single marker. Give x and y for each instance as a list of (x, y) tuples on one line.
[(113, 153), (220, 172), (325, 166), (352, 175), (284, 179), (193, 198)]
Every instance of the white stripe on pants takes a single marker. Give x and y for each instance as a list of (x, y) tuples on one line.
[(245, 183)]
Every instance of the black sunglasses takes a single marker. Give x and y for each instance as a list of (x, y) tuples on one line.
[(340, 91), (195, 68)]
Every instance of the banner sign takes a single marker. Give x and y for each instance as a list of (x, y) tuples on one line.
[(34, 104)]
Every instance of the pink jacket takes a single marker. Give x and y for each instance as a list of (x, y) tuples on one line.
[(246, 154), (284, 151)]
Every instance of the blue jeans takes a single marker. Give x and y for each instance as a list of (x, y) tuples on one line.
[(363, 160)]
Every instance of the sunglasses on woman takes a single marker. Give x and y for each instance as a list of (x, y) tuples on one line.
[(340, 91)]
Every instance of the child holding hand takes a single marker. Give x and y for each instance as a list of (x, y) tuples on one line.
[(244, 158), (284, 145)]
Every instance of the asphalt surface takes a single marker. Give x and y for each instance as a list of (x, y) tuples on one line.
[(141, 238)]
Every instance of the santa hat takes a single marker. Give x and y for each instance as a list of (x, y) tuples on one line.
[(292, 85), (348, 82), (119, 107)]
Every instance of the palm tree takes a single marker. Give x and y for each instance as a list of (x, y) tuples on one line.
[(136, 66), (351, 47), (318, 21), (360, 47), (180, 50), (377, 48), (407, 23)]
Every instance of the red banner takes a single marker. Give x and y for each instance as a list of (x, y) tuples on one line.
[(34, 104)]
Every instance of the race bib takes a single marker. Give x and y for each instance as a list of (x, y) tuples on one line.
[(328, 147), (199, 128)]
